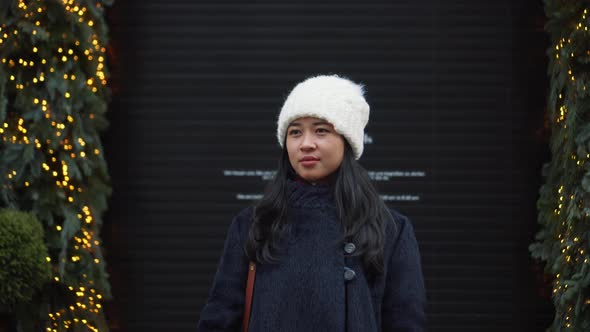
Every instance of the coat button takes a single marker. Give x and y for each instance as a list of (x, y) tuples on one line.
[(349, 248), (349, 274)]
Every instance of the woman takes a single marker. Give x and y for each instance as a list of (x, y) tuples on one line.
[(330, 256)]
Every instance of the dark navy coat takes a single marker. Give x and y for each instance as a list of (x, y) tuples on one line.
[(320, 285)]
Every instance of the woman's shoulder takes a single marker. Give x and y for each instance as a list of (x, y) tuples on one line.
[(242, 220), (399, 226), (245, 214), (398, 219)]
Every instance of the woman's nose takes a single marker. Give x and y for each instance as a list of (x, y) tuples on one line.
[(308, 142)]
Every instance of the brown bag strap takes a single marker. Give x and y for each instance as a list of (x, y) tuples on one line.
[(249, 290)]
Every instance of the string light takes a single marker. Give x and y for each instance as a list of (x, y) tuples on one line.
[(37, 63), (570, 214)]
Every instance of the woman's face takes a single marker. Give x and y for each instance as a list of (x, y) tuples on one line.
[(315, 149)]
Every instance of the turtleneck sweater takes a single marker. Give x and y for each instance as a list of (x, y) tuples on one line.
[(303, 194)]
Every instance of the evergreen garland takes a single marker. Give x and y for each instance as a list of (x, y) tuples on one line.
[(564, 202), (53, 99)]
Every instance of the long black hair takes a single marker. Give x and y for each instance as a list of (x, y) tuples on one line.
[(358, 204)]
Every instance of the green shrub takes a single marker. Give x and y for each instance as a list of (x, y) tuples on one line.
[(24, 268)]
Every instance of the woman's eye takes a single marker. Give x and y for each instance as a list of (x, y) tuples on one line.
[(323, 130), (294, 131)]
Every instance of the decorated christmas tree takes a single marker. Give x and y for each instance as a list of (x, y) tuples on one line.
[(564, 202), (53, 99)]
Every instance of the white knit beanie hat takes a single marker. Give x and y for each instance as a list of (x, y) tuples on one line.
[(332, 98)]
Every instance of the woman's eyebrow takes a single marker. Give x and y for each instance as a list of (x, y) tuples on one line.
[(320, 123), (315, 123)]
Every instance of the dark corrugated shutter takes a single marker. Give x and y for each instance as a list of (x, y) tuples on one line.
[(456, 90)]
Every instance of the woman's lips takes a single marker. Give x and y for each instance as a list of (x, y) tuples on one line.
[(309, 162)]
